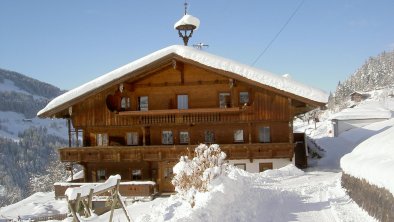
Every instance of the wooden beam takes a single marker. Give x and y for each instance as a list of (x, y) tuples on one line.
[(195, 83)]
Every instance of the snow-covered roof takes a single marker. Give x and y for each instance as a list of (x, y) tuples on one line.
[(366, 110), (188, 20), (257, 75)]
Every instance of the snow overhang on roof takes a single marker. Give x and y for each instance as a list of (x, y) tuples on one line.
[(259, 76)]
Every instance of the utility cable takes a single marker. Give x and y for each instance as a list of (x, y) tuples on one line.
[(280, 31)]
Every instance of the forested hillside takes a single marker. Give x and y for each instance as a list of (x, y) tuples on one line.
[(376, 73), (27, 144)]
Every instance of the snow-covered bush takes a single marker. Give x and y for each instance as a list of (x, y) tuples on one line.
[(195, 175)]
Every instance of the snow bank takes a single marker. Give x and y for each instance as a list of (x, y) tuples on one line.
[(373, 160), (254, 74), (38, 204), (236, 196), (287, 171)]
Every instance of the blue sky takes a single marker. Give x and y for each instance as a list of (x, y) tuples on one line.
[(67, 43)]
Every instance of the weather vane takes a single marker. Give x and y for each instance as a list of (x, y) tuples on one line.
[(200, 45), (185, 7)]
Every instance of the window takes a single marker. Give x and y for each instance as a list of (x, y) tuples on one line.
[(125, 103), (209, 136), (101, 175), (136, 174), (183, 137), (224, 100), (265, 166), (166, 137), (240, 166), (102, 139), (243, 98), (183, 101), (239, 135), (167, 173), (264, 134), (132, 138), (143, 103)]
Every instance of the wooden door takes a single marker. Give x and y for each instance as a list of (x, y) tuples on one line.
[(165, 177)]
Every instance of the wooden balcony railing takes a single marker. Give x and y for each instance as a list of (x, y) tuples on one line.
[(187, 116), (166, 152)]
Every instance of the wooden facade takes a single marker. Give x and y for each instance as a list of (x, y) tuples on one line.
[(140, 124)]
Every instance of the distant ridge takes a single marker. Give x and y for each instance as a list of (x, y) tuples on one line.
[(22, 94), (376, 73), (30, 85)]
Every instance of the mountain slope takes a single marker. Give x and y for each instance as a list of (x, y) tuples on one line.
[(27, 144)]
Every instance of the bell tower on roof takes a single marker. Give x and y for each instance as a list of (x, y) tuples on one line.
[(186, 25)]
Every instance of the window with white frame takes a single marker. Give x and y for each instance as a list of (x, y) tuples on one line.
[(102, 139), (264, 134), (143, 103), (224, 100), (125, 103), (132, 138), (183, 101), (183, 137), (209, 136), (243, 98), (101, 175), (166, 137), (239, 135)]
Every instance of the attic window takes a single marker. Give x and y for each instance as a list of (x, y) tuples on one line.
[(243, 98), (125, 103), (143, 103), (224, 100)]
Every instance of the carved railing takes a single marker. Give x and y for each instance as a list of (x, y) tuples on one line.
[(166, 152), (188, 116)]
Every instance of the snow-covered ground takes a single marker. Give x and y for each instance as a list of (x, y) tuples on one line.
[(38, 204), (287, 194)]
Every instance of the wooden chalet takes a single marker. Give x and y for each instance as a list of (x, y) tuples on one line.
[(358, 96), (138, 120)]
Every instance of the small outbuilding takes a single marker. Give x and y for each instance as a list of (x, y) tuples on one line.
[(358, 96), (366, 113)]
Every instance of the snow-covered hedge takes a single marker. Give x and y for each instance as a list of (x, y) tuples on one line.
[(373, 160), (192, 176)]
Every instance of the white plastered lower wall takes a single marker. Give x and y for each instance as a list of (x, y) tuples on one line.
[(253, 167)]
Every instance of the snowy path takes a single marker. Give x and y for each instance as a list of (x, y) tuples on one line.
[(323, 198), (313, 196)]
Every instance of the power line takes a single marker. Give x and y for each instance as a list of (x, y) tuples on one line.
[(277, 34)]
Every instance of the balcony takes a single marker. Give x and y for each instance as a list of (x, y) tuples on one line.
[(187, 116), (172, 152)]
